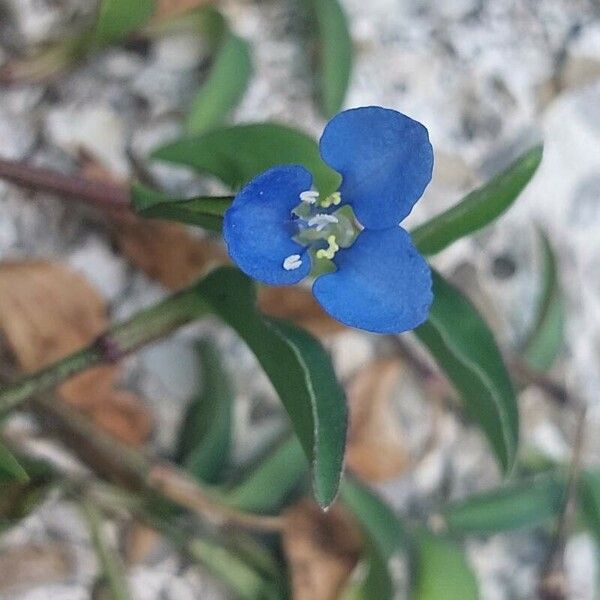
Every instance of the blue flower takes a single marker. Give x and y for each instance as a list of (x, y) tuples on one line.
[(369, 275)]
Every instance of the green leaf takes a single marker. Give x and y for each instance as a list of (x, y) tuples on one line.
[(523, 504), (384, 533), (479, 208), (269, 482), (378, 520), (545, 340), (299, 369), (206, 212), (10, 469), (465, 349), (238, 153), (441, 570), (225, 86), (118, 18), (205, 436), (589, 498), (334, 54), (244, 580)]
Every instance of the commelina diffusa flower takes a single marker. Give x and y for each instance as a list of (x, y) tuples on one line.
[(368, 273)]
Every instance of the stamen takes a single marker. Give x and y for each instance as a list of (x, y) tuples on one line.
[(294, 261), (333, 199), (321, 221), (309, 196), (331, 249)]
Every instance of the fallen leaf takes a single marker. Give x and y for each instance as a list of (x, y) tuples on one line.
[(322, 549), (34, 565), (47, 312), (298, 305), (141, 543), (375, 451), (167, 252)]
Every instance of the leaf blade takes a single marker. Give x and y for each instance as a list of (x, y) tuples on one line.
[(118, 18), (224, 87), (479, 208), (238, 153), (436, 555), (264, 488), (522, 504), (334, 54), (205, 437), (10, 468), (464, 348), (545, 339), (299, 369), (206, 212)]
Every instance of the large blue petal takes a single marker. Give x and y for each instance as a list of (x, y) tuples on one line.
[(382, 284), (258, 226), (385, 160)]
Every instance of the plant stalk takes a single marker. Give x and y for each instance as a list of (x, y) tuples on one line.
[(123, 338)]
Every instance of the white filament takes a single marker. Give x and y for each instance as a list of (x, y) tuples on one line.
[(321, 221)]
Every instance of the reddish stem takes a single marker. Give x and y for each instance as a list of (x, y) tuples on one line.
[(97, 193)]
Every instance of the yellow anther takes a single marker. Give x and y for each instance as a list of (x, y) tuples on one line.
[(332, 248), (333, 199)]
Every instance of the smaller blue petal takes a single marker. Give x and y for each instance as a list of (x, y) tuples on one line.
[(385, 160), (382, 284), (258, 227)]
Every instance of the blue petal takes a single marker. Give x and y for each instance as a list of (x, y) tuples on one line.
[(258, 226), (382, 283), (385, 160)]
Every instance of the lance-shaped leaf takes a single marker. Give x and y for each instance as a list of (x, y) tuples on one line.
[(118, 18), (299, 369), (10, 469), (268, 482), (385, 535), (225, 85), (479, 208), (544, 342), (523, 504), (333, 62), (589, 498), (205, 436), (441, 570), (236, 154), (206, 212), (464, 348)]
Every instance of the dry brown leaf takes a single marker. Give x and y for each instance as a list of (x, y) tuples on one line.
[(141, 542), (46, 312), (167, 252), (34, 565), (298, 305), (376, 450), (322, 549)]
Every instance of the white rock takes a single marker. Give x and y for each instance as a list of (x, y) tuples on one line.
[(96, 261), (17, 136), (179, 52), (96, 128)]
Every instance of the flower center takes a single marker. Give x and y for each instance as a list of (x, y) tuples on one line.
[(322, 229)]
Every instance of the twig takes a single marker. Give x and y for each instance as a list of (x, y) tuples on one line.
[(553, 585), (123, 338), (97, 193), (140, 471)]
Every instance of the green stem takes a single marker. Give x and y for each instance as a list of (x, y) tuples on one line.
[(112, 569), (121, 339)]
